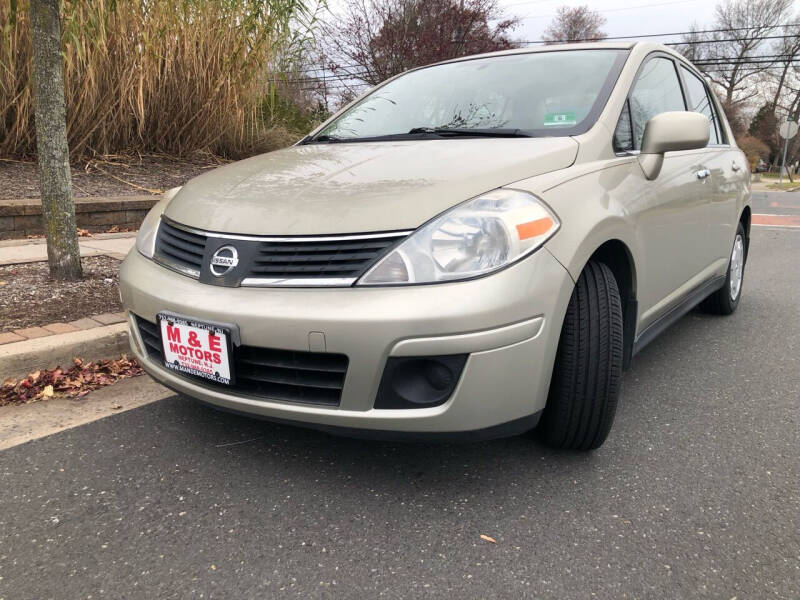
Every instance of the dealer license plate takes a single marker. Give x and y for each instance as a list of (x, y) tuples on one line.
[(196, 348)]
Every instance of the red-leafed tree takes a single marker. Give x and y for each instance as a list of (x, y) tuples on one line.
[(373, 40)]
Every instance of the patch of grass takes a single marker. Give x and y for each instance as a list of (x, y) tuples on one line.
[(786, 186)]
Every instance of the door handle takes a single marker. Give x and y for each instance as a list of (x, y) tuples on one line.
[(735, 166), (703, 173)]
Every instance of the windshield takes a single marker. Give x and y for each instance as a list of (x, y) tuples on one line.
[(552, 93)]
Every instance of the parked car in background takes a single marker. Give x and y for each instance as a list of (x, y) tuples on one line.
[(472, 249)]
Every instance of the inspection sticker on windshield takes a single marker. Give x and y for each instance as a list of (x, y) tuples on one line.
[(559, 119), (196, 348)]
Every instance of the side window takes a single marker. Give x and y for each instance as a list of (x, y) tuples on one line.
[(699, 101), (656, 90)]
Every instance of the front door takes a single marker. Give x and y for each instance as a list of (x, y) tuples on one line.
[(671, 211)]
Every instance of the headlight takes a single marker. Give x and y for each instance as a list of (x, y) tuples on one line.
[(146, 238), (475, 238)]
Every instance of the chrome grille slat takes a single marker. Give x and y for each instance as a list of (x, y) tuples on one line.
[(329, 268), (179, 249), (185, 236), (186, 257), (183, 245), (314, 258)]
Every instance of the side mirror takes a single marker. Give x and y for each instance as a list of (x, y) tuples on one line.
[(668, 132)]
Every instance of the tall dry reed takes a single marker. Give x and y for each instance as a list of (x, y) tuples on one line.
[(156, 76)]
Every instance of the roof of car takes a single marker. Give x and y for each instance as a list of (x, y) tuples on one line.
[(622, 45)]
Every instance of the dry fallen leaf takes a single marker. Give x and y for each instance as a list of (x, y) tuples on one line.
[(116, 406), (486, 538), (75, 382), (2, 283)]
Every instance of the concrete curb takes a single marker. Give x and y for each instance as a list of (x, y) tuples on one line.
[(26, 422), (20, 358)]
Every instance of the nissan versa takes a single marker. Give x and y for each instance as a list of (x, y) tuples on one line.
[(471, 249)]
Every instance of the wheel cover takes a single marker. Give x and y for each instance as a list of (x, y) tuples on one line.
[(737, 266)]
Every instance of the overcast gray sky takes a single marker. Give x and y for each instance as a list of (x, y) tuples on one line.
[(625, 17)]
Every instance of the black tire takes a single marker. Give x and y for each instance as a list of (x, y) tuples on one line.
[(722, 302), (583, 392)]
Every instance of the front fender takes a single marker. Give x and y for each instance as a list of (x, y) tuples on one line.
[(593, 210)]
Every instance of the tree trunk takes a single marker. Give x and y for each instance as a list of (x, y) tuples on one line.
[(58, 209)]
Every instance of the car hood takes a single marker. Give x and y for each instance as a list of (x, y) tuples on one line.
[(359, 187)]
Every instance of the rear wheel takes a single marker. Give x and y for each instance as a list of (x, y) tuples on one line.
[(725, 300), (583, 392)]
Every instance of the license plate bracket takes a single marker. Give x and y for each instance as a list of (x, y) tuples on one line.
[(197, 348)]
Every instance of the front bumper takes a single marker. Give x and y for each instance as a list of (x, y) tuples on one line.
[(509, 324)]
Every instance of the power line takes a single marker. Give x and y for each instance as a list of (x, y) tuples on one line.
[(632, 37), (325, 77), (652, 35), (608, 10), (712, 62)]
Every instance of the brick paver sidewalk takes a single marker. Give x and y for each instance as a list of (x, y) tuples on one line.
[(29, 333), (13, 252)]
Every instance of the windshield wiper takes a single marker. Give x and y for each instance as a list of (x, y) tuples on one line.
[(467, 132), (324, 138), (421, 132)]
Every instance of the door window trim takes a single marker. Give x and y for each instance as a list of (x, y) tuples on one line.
[(677, 63), (712, 98)]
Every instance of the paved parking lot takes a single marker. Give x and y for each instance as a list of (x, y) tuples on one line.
[(696, 493)]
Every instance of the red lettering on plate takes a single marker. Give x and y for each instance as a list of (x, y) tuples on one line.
[(213, 342), (173, 334), (183, 350), (193, 341), (217, 358), (173, 347)]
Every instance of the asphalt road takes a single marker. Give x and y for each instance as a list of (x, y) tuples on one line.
[(696, 494), (781, 204)]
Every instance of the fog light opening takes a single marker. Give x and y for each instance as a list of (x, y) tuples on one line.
[(419, 382)]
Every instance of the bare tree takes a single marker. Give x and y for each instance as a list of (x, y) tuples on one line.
[(575, 24), (63, 253), (375, 39), (733, 54), (787, 50)]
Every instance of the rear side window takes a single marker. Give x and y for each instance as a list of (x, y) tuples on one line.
[(699, 101), (657, 89)]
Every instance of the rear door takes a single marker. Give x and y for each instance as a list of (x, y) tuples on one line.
[(726, 171)]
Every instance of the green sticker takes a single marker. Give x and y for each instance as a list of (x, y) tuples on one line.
[(559, 119)]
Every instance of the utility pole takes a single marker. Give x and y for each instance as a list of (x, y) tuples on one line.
[(787, 131)]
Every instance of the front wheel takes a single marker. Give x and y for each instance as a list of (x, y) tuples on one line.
[(583, 392), (725, 300)]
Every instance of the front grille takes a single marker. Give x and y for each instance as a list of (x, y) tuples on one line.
[(335, 258), (287, 375), (272, 261), (180, 249)]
